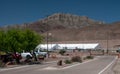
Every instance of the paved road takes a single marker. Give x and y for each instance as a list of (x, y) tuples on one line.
[(96, 66)]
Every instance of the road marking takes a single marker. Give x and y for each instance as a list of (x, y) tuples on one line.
[(50, 68), (107, 66), (54, 68)]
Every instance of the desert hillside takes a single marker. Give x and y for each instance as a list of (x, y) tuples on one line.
[(68, 27)]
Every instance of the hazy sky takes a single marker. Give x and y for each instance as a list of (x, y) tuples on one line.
[(25, 11)]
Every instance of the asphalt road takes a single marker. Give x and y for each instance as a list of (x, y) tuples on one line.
[(99, 65)]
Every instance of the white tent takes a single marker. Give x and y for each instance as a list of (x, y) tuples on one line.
[(50, 47), (45, 46)]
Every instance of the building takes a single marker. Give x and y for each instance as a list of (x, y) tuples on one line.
[(86, 46)]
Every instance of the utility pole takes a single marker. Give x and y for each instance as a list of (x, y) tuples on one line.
[(107, 42), (50, 39), (47, 39)]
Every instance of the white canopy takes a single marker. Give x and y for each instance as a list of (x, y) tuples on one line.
[(69, 46)]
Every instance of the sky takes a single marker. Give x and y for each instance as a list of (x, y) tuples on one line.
[(27, 11)]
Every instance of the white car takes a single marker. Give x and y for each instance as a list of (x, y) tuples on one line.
[(25, 54), (38, 52)]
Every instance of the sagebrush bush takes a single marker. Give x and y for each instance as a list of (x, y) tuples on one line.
[(62, 52), (67, 61), (60, 63), (89, 57), (76, 59)]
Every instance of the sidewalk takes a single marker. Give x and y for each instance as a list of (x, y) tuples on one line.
[(47, 60)]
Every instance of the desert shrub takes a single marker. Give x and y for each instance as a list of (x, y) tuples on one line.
[(62, 52), (76, 59), (89, 57), (67, 61), (59, 63), (0, 63)]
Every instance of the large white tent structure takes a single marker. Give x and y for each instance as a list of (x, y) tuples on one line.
[(50, 47)]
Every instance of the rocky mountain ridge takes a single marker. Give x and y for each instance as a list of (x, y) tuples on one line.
[(70, 21)]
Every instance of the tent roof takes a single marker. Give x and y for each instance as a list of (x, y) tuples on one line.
[(69, 46)]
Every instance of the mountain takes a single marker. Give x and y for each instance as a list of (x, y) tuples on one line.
[(59, 21), (69, 21), (68, 27)]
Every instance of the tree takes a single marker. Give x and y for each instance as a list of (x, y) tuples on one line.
[(13, 42), (13, 38), (4, 42), (30, 40), (16, 40)]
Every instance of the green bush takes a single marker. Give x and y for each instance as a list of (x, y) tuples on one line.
[(67, 61), (89, 57), (62, 52), (76, 59)]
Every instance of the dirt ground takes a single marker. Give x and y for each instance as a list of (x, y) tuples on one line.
[(116, 68)]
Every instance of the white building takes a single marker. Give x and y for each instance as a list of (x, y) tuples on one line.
[(86, 46)]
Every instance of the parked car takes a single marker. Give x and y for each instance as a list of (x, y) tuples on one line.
[(11, 57), (38, 52), (17, 55), (26, 54)]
